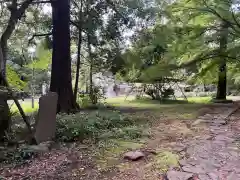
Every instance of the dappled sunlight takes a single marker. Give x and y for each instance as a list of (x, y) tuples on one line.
[(27, 107)]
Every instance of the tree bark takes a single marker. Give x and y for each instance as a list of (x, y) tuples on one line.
[(61, 79), (222, 70), (16, 14), (78, 53)]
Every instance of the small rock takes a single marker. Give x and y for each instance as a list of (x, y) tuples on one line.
[(177, 175), (134, 155)]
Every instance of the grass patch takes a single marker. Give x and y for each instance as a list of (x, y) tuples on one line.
[(27, 107), (148, 103), (170, 109), (202, 100)]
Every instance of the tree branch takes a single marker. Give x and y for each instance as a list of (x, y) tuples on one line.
[(235, 18), (16, 15), (75, 4), (208, 9), (42, 2), (38, 35), (109, 2), (76, 24)]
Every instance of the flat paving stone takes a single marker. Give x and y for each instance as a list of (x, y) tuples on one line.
[(176, 175), (218, 156)]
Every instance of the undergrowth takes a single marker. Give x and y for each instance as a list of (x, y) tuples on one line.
[(98, 125)]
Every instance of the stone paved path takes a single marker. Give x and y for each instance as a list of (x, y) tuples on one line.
[(216, 155)]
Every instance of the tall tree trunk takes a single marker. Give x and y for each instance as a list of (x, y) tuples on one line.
[(222, 70), (90, 70), (5, 119), (78, 53), (61, 79)]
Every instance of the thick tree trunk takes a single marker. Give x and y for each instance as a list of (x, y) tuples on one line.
[(61, 79), (78, 53), (222, 82), (222, 71)]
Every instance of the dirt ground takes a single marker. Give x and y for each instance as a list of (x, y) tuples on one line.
[(206, 148)]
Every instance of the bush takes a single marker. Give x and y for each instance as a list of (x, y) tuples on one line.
[(97, 95), (84, 100), (167, 93), (95, 125)]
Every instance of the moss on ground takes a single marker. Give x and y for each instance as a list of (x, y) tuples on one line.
[(108, 153), (164, 160)]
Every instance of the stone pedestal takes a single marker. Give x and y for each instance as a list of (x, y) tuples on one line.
[(46, 122)]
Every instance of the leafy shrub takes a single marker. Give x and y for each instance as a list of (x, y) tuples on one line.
[(95, 125), (138, 96), (213, 94), (167, 93), (153, 93), (84, 100), (87, 100), (97, 95)]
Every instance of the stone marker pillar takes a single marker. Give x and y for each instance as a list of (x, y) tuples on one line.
[(46, 122)]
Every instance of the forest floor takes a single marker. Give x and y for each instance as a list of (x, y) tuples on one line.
[(186, 140)]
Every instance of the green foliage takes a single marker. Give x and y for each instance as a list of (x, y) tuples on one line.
[(43, 58), (167, 93), (186, 34), (87, 100), (97, 95), (166, 159), (96, 125), (84, 100), (14, 79), (27, 107)]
